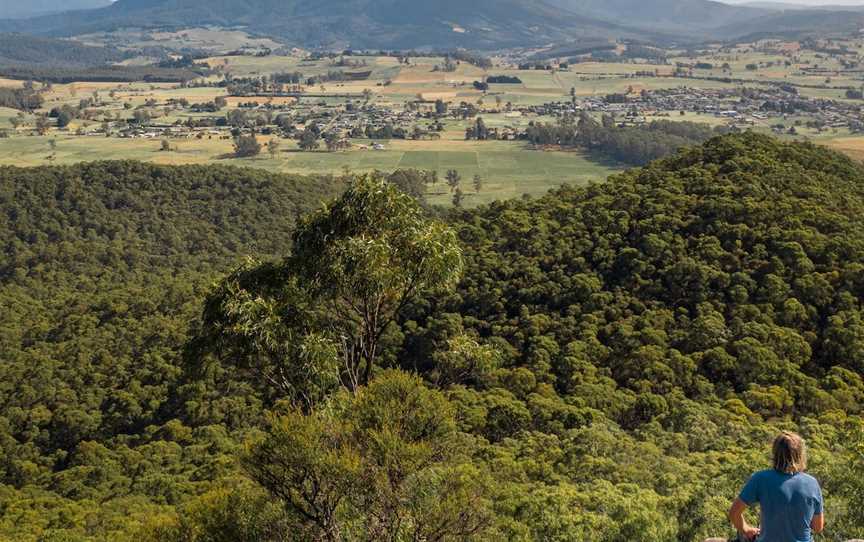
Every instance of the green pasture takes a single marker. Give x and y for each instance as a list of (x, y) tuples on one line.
[(508, 169), (241, 66)]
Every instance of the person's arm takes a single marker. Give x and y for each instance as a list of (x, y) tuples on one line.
[(817, 524), (736, 516)]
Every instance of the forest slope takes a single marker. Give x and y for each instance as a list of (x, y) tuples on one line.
[(12, 9), (615, 358), (486, 24), (481, 24), (102, 268), (22, 49)]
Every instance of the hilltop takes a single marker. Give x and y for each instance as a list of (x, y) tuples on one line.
[(610, 365), (482, 24), (673, 16), (28, 51), (13, 9), (355, 23)]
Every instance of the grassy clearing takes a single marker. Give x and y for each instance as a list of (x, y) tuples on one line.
[(508, 169), (851, 146)]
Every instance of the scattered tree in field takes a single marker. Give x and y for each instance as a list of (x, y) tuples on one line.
[(64, 117), (273, 147), (141, 116), (411, 181), (478, 182), (165, 146), (42, 124), (477, 131), (453, 179), (458, 196), (246, 146), (309, 140), (334, 141)]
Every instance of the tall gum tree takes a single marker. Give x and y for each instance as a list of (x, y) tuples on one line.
[(302, 326), (363, 258)]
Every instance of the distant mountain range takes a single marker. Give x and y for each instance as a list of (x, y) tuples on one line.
[(16, 9), (677, 16), (480, 24), (780, 6), (351, 23)]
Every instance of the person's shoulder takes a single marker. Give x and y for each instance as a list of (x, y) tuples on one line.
[(760, 478), (811, 480), (762, 474)]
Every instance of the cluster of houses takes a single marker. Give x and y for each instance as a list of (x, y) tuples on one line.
[(373, 116), (355, 121), (740, 107)]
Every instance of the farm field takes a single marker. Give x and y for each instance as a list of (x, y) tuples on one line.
[(507, 169), (851, 146), (131, 120)]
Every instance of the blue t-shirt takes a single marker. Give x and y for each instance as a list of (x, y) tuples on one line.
[(787, 504)]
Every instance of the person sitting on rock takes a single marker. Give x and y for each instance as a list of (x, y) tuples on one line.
[(790, 501)]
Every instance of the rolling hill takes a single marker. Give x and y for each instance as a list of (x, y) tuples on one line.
[(679, 16), (716, 20), (614, 359), (480, 24), (484, 24), (25, 50), (797, 22), (11, 9)]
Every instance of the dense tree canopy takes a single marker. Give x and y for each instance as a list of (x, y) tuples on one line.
[(103, 269), (611, 366), (634, 145)]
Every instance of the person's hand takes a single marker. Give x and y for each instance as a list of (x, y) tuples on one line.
[(750, 533)]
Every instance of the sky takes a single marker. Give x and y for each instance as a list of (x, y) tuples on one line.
[(807, 2)]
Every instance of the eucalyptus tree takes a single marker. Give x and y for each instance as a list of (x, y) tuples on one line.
[(300, 327), (362, 258)]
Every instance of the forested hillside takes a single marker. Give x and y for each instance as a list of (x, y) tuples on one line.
[(634, 145), (21, 49), (11, 9), (605, 363), (103, 269), (486, 24)]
